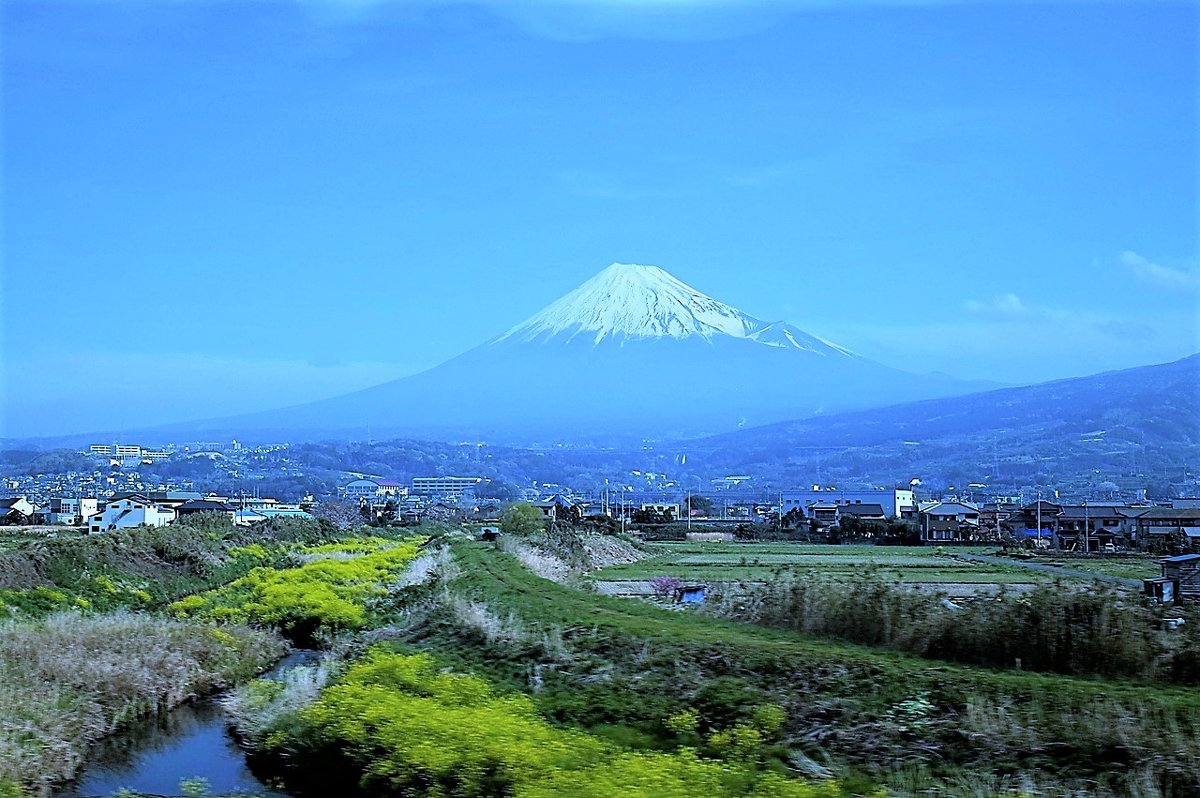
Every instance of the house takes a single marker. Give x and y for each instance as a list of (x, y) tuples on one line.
[(1037, 520), (16, 510), (197, 506), (949, 522), (822, 512), (1168, 522), (441, 511), (559, 506), (1090, 527), (861, 512), (69, 510), (1184, 570), (130, 511)]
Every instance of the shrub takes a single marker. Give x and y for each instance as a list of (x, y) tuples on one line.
[(331, 591), (522, 518), (407, 728)]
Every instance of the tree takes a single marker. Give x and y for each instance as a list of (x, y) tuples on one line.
[(522, 518), (345, 515), (701, 505)]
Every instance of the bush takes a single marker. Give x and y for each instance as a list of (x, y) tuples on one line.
[(329, 592), (522, 518), (408, 728)]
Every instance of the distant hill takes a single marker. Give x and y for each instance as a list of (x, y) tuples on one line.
[(1131, 426)]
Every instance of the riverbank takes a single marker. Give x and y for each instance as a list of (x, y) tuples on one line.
[(68, 680), (89, 646)]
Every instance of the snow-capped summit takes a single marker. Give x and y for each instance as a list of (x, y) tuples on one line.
[(633, 353), (631, 301)]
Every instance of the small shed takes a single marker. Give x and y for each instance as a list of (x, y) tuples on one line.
[(1163, 590), (690, 594), (1185, 570)]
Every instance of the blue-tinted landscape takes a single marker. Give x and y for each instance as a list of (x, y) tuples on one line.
[(590, 398)]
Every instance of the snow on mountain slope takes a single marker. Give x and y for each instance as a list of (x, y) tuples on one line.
[(631, 301)]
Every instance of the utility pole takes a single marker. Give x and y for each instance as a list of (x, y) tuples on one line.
[(1039, 519), (1086, 543)]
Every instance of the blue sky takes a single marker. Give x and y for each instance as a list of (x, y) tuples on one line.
[(212, 207)]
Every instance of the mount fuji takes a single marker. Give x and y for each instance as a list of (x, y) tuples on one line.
[(632, 353)]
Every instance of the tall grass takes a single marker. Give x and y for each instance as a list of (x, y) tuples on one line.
[(67, 680), (1056, 628)]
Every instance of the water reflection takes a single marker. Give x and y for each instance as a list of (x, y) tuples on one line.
[(154, 755)]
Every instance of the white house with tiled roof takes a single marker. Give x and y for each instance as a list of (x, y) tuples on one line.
[(129, 511)]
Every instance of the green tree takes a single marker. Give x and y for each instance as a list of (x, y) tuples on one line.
[(522, 518)]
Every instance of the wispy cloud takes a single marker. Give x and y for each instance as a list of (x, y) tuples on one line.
[(1002, 306), (1159, 275)]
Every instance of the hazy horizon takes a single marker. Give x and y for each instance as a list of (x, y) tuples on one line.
[(222, 207)]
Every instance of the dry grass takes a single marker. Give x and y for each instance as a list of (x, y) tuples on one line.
[(259, 706), (432, 565), (538, 560), (67, 680), (564, 555), (604, 551)]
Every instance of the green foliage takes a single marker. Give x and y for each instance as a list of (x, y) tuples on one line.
[(522, 518), (409, 727), (329, 592)]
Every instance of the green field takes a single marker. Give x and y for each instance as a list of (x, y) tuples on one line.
[(762, 561), (1141, 566)]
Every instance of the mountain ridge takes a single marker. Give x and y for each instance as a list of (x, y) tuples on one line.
[(1141, 419)]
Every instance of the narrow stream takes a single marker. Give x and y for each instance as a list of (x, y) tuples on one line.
[(192, 741)]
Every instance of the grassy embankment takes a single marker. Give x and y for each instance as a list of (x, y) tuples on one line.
[(77, 663), (669, 685), (899, 719), (398, 722)]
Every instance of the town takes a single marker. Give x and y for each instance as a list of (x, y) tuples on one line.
[(117, 495)]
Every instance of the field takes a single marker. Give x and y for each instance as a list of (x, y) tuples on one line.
[(762, 562)]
